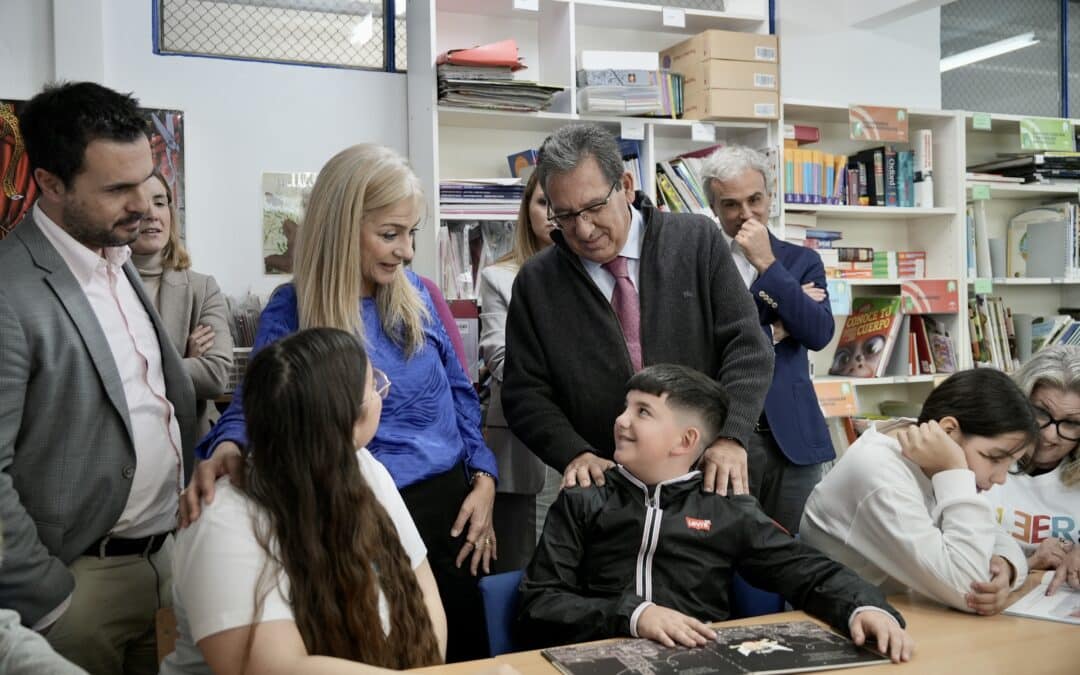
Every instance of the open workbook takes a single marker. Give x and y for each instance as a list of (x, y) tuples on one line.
[(1063, 605), (796, 647)]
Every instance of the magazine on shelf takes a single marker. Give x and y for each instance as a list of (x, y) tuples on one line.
[(1063, 605), (795, 647)]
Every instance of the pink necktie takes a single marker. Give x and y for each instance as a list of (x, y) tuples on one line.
[(624, 300)]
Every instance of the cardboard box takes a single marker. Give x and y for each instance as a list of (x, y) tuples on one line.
[(720, 44), (708, 104), (718, 74)]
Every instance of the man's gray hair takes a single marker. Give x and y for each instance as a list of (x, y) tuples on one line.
[(730, 162), (569, 146)]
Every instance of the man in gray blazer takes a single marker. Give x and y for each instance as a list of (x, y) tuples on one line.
[(96, 410)]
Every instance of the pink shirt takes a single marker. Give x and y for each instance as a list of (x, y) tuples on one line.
[(152, 503)]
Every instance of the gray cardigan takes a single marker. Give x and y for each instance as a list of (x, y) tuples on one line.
[(566, 358)]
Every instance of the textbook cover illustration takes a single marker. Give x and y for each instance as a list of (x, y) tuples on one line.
[(868, 337), (796, 647)]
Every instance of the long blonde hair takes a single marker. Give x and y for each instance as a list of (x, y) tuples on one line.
[(173, 254), (526, 243), (355, 183)]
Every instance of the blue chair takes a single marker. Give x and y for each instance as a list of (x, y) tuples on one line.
[(747, 601), (499, 593)]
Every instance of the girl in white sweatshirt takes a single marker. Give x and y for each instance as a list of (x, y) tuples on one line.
[(903, 507)]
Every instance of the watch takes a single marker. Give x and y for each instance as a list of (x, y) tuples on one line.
[(476, 474)]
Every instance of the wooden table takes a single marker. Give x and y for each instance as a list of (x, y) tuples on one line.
[(947, 642)]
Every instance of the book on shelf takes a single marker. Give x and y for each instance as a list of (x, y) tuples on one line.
[(977, 218), (1043, 242), (1032, 167), (989, 322), (991, 178), (790, 647), (522, 163), (923, 181), (868, 338), (1063, 605), (942, 348)]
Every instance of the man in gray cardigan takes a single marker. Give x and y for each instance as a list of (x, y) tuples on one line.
[(621, 289), (97, 414)]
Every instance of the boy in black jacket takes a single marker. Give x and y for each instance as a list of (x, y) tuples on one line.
[(649, 554)]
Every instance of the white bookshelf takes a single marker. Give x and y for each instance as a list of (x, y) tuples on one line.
[(450, 142), (1035, 296), (939, 231)]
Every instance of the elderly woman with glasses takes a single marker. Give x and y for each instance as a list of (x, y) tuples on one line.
[(1040, 503), (349, 273)]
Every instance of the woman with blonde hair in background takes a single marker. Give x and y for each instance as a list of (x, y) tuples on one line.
[(519, 515), (350, 274), (1040, 503), (190, 304)]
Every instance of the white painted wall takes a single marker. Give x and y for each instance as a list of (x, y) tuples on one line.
[(824, 59), (241, 118), (26, 50)]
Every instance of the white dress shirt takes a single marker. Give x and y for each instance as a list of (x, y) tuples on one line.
[(746, 269), (631, 250), (153, 500)]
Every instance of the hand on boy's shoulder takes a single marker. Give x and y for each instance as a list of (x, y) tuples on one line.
[(586, 469)]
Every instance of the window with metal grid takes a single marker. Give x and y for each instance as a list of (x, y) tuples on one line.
[(338, 33), (1019, 66)]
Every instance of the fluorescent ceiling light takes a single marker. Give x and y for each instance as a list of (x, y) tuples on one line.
[(988, 51), (362, 31)]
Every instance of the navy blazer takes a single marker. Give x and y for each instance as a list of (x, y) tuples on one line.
[(791, 406)]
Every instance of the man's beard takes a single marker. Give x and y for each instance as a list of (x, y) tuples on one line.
[(86, 233)]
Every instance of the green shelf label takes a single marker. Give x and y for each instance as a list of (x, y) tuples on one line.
[(983, 286), (980, 192), (1046, 133), (981, 122)]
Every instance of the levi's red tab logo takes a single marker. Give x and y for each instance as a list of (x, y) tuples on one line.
[(698, 524)]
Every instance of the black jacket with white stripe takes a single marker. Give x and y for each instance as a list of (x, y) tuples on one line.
[(607, 552)]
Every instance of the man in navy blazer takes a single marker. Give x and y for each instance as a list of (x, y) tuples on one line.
[(790, 440)]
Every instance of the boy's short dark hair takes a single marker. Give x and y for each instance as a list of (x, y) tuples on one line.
[(63, 119), (686, 389)]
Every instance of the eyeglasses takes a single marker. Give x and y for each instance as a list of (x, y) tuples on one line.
[(564, 220), (382, 383), (1067, 429)]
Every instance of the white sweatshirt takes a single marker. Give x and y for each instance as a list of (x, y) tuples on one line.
[(1034, 508), (879, 514)]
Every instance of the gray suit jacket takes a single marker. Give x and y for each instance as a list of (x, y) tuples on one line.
[(520, 471), (66, 452), (185, 300)]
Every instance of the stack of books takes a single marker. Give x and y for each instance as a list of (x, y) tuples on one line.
[(483, 77), (611, 91), (488, 196), (1030, 167)]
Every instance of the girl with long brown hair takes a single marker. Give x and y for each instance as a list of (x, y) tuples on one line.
[(310, 558), (350, 273)]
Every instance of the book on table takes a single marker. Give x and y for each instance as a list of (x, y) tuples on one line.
[(1063, 605), (794, 647)]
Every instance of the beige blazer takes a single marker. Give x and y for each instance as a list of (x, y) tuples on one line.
[(520, 471), (186, 300)]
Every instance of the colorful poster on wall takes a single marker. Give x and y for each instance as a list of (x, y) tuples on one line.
[(17, 187), (18, 190), (166, 128), (285, 197)]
